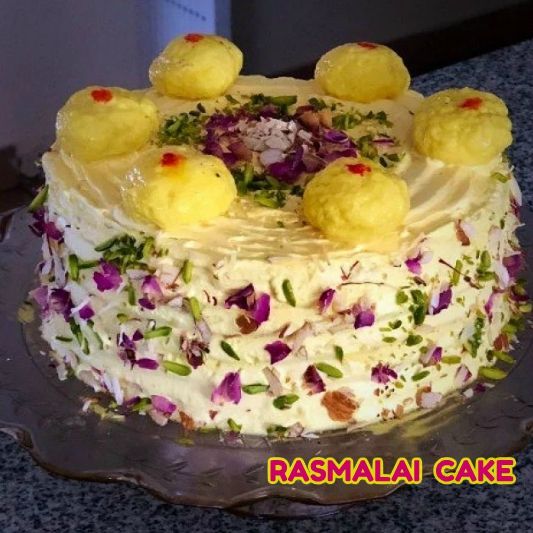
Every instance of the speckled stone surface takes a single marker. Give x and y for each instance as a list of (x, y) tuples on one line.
[(33, 501)]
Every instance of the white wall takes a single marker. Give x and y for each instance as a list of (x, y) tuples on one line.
[(51, 48)]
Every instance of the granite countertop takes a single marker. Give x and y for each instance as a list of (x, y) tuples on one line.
[(31, 500)]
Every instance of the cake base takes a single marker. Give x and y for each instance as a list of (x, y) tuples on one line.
[(46, 416)]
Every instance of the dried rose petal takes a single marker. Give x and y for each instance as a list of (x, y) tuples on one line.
[(244, 298), (363, 315), (109, 279), (313, 381), (163, 405), (146, 303), (513, 264), (325, 300), (440, 301), (60, 302), (462, 375), (489, 304), (52, 231), (229, 389), (261, 309), (147, 363), (432, 356), (194, 351), (278, 350), (383, 373), (150, 286), (86, 312), (40, 295)]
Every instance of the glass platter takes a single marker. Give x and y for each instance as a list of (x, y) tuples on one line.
[(209, 469)]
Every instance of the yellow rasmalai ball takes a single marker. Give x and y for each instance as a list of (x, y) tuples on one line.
[(462, 127), (355, 201), (196, 66), (100, 122), (172, 188), (362, 72)]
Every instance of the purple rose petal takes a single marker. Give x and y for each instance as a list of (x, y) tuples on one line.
[(146, 363), (243, 298), (86, 312), (163, 405), (229, 389), (325, 300), (363, 317), (40, 295), (383, 374), (413, 264), (462, 375), (440, 301), (194, 351), (432, 356), (60, 302), (278, 350), (335, 136), (313, 381), (290, 168), (146, 303), (52, 231), (489, 304), (261, 309), (150, 286), (38, 226), (513, 264), (109, 279)]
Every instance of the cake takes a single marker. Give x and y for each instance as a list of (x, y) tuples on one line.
[(279, 256)]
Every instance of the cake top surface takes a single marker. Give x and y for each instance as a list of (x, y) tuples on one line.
[(275, 135)]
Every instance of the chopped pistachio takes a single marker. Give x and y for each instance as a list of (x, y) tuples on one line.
[(339, 353), (132, 299), (186, 271), (501, 177), (177, 368), (105, 245), (420, 375), (39, 199), (142, 405), (413, 339), (236, 428), (255, 388), (504, 356), (195, 309), (401, 297), (329, 370), (493, 373), (227, 348), (288, 292), (73, 267), (163, 331), (451, 360), (285, 401)]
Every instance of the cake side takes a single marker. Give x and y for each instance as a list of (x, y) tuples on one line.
[(371, 335)]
